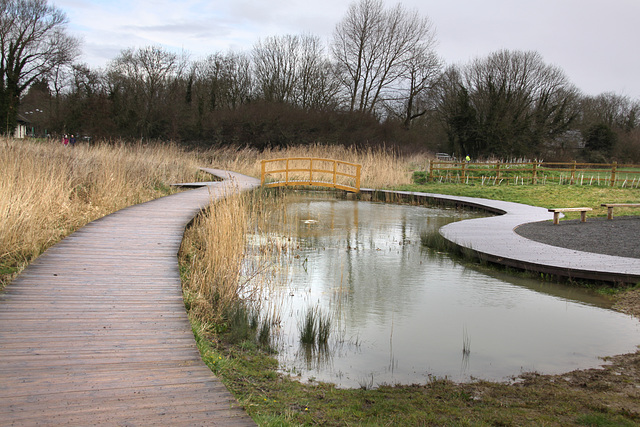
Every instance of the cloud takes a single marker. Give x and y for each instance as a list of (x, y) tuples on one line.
[(591, 40)]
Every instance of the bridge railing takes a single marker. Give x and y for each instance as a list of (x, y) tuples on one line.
[(311, 171)]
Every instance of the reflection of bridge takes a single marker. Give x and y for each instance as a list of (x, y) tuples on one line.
[(311, 171)]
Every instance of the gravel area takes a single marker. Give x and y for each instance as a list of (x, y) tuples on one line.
[(619, 236)]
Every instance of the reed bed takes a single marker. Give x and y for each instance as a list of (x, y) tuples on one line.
[(212, 253), (47, 190), (381, 168), (221, 269)]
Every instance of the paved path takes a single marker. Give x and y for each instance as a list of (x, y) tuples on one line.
[(494, 239), (95, 331)]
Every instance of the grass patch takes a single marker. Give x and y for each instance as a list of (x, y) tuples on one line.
[(593, 397), (315, 327), (308, 328), (547, 196), (603, 420)]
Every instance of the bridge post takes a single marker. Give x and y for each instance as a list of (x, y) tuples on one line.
[(286, 178)]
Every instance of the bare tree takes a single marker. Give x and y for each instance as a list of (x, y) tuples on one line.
[(147, 80), (294, 69), (374, 49), (275, 63), (316, 86), (517, 103), (616, 111), (223, 81), (32, 43), (421, 71)]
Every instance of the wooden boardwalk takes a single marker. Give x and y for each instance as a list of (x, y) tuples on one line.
[(494, 239), (95, 330)]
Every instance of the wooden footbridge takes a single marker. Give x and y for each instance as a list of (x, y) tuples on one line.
[(95, 330), (311, 171)]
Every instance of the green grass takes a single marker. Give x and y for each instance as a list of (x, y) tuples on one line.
[(315, 327), (309, 327), (599, 397), (7, 273), (273, 399), (514, 173), (547, 196)]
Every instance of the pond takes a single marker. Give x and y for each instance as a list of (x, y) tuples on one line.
[(404, 314)]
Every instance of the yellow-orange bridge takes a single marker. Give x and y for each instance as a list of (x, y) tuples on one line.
[(312, 171)]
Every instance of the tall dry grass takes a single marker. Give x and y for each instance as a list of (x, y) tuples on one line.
[(48, 190), (220, 267), (214, 250), (381, 168)]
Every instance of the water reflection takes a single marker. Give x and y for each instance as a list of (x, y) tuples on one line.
[(403, 314)]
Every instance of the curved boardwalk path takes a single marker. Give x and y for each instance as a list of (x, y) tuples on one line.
[(495, 240), (95, 331)]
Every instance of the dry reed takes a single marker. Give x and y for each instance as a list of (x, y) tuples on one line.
[(220, 267), (214, 250), (48, 190), (381, 168)]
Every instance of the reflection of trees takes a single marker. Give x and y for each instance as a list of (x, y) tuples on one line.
[(367, 274), (361, 256), (315, 356)]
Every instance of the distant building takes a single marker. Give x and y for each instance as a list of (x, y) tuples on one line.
[(21, 128)]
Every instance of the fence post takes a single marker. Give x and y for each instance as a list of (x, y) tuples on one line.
[(498, 169), (464, 165), (614, 167), (535, 173), (358, 167), (430, 170), (262, 173), (573, 172)]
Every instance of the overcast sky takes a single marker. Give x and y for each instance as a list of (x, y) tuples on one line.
[(595, 42)]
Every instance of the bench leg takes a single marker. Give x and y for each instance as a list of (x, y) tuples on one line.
[(610, 212), (556, 217), (583, 216)]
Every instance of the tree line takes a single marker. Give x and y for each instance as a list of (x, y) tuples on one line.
[(378, 81)]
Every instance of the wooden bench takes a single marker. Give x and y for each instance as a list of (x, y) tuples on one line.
[(610, 207), (557, 211)]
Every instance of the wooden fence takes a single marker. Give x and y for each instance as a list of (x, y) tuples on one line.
[(571, 173), (312, 171)]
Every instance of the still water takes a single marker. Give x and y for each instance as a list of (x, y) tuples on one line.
[(403, 314)]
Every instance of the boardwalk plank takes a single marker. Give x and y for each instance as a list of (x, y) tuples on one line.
[(95, 331)]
